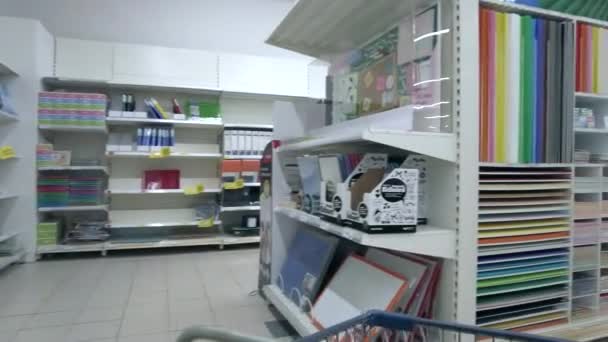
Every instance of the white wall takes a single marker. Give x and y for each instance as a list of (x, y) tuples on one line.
[(218, 25)]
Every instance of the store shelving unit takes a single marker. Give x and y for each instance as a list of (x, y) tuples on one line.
[(165, 217), (11, 245)]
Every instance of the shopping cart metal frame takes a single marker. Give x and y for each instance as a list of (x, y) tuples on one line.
[(376, 322)]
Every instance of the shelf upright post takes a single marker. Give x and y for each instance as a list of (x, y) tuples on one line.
[(466, 127)]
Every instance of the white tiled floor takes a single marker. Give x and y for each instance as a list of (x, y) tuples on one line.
[(129, 298)]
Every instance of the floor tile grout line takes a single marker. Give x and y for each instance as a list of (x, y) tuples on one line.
[(125, 305)]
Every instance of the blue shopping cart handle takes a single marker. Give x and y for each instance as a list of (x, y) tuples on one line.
[(400, 322)]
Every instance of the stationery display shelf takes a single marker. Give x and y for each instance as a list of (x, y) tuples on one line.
[(8, 260), (172, 155), (250, 126), (101, 207), (6, 70), (158, 224), (72, 128), (241, 208), (74, 168), (591, 130), (8, 236), (296, 318), (202, 124), (7, 117), (428, 240), (158, 192), (7, 196), (437, 145), (592, 96)]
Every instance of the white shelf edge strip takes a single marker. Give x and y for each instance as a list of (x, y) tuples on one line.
[(159, 192), (428, 240), (184, 123), (114, 245), (158, 225), (240, 208), (74, 208)]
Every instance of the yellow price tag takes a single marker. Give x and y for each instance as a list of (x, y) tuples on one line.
[(207, 223), (194, 190), (237, 184), (163, 153)]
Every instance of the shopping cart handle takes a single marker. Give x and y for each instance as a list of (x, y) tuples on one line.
[(209, 333)]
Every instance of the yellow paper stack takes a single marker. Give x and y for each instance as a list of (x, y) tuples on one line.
[(7, 152)]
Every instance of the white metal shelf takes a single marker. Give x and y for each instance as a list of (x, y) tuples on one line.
[(591, 130), (240, 208), (310, 26), (240, 240), (172, 155), (4, 196), (8, 236), (157, 192), (158, 224), (373, 129), (252, 184), (74, 168), (509, 6), (112, 121), (243, 157), (84, 247), (6, 117), (428, 240), (212, 240), (102, 207), (72, 128), (8, 260), (252, 126), (592, 96), (55, 82), (291, 312)]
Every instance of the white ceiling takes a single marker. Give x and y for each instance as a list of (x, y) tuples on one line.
[(220, 25)]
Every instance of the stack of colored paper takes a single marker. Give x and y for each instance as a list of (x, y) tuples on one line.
[(525, 102), (53, 190), (524, 241), (591, 56), (85, 190), (74, 109)]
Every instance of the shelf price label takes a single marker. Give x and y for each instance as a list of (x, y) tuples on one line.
[(194, 190), (206, 223), (163, 153), (237, 184)]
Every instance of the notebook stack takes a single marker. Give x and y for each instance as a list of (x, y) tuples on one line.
[(53, 190), (72, 109), (526, 99), (524, 240), (85, 190)]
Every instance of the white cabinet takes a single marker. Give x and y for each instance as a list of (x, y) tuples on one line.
[(161, 66), (263, 75), (83, 59)]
